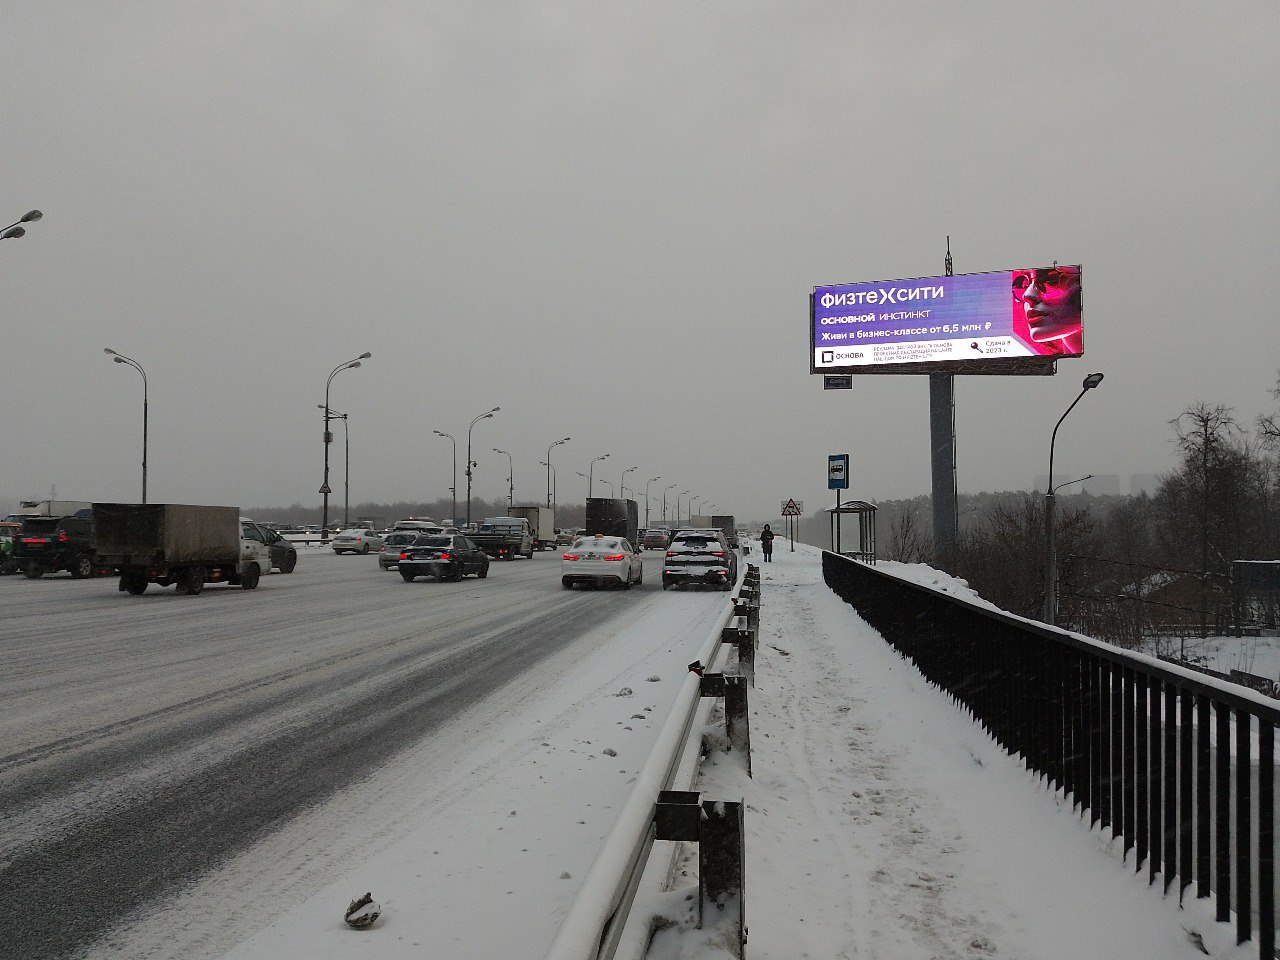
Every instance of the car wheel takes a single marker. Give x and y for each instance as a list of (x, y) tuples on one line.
[(566, 583), (249, 579), (290, 562), (626, 584), (81, 567), (407, 576), (33, 570), (456, 576), (666, 585), (482, 572)]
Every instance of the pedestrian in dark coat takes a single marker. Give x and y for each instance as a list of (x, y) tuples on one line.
[(766, 543)]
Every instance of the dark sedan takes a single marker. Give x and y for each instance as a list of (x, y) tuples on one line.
[(443, 557)]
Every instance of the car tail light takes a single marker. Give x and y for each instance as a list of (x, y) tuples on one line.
[(446, 555), (403, 555), (34, 540), (570, 556), (671, 553), (616, 556), (62, 536), (717, 553)]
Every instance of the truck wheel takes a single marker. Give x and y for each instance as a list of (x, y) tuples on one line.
[(193, 582), (33, 570), (529, 555), (249, 579), (133, 584), (81, 567)]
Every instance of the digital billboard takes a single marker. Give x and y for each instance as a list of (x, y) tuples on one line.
[(1008, 321)]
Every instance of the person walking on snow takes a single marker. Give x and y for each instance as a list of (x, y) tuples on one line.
[(766, 543)]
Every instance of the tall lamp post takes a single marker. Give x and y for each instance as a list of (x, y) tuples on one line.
[(511, 480), (328, 439), (453, 520), (664, 501), (682, 493), (547, 464), (471, 463), (121, 358), (15, 230), (346, 475), (646, 499), (622, 484), (591, 468), (1050, 506), (551, 496)]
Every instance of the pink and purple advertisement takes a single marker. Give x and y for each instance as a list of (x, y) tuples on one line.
[(1000, 316)]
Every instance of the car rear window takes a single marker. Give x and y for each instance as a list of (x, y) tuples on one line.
[(401, 537), (433, 542), (40, 525), (699, 542)]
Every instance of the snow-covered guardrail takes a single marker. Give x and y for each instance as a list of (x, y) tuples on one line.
[(595, 921)]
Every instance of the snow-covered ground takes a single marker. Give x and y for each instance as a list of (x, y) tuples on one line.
[(881, 823)]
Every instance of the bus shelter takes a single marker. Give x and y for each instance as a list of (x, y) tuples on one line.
[(866, 514)]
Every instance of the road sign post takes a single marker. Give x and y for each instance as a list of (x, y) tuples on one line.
[(791, 509)]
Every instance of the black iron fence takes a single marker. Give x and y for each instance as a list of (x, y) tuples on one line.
[(1179, 765)]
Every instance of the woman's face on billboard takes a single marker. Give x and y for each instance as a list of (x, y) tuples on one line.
[(1050, 301)]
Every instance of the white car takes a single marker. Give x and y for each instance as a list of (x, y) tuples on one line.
[(356, 540), (600, 560)]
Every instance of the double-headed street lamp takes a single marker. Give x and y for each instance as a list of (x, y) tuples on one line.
[(590, 469), (547, 464), (551, 497), (15, 230), (511, 480), (328, 439), (664, 501), (121, 358), (622, 484), (346, 475), (471, 463), (646, 499), (453, 520), (1050, 504)]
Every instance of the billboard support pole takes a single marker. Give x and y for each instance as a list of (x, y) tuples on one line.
[(942, 436)]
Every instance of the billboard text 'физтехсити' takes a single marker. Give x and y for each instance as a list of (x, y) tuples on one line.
[(1000, 321)]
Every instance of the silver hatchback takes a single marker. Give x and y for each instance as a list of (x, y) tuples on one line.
[(392, 544)]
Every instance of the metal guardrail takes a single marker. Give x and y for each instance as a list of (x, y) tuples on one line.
[(1181, 765), (594, 924)]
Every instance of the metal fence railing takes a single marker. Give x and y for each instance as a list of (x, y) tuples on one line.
[(1179, 765)]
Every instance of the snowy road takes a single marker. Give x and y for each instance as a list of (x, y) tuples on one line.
[(150, 739)]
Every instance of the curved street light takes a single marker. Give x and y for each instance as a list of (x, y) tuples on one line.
[(591, 468), (328, 439), (646, 499), (622, 483), (551, 498), (1050, 509), (471, 463), (664, 501), (511, 480), (15, 230), (453, 520), (121, 358), (678, 496)]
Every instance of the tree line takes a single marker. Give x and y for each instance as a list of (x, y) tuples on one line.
[(1130, 568)]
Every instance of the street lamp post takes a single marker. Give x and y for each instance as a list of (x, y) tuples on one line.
[(622, 483), (609, 483), (1050, 506), (646, 499), (328, 439), (121, 358), (15, 230), (471, 463), (511, 480), (346, 476), (453, 520), (591, 468), (678, 496), (547, 464), (551, 496), (664, 501)]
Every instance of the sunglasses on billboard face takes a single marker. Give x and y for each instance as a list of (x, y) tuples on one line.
[(1054, 278)]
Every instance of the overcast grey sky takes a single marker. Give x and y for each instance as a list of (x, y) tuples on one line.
[(606, 218)]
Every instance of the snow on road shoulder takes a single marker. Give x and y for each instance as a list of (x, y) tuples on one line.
[(882, 823)]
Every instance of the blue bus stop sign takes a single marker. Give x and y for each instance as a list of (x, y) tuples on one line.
[(838, 471)]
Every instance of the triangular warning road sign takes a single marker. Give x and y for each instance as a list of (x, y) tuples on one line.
[(790, 509), (324, 488)]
